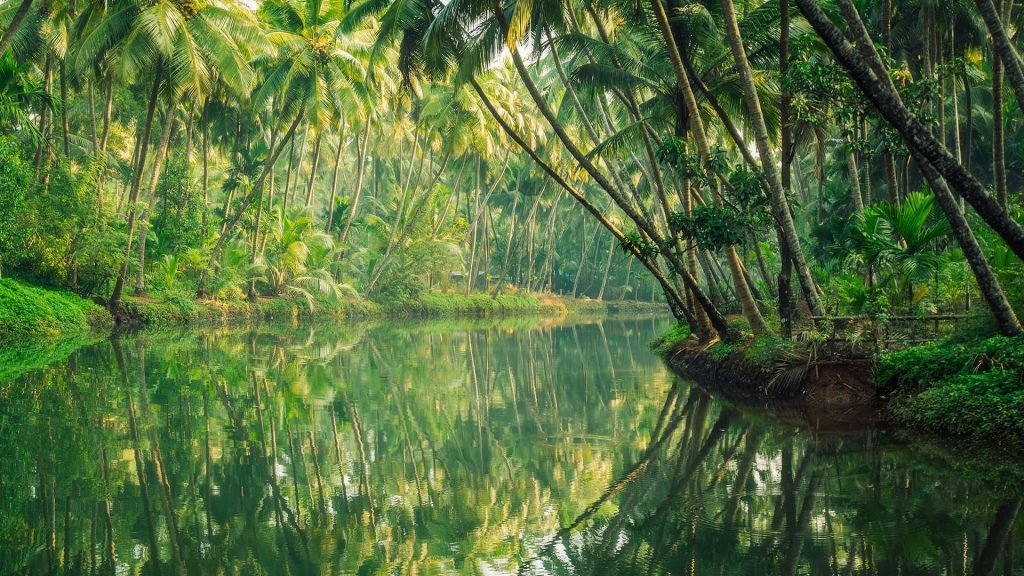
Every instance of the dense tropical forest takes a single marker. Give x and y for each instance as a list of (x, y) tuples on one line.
[(762, 160)]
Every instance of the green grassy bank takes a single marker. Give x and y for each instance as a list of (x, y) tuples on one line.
[(42, 317), (40, 326)]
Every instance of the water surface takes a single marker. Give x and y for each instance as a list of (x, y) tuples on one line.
[(487, 447)]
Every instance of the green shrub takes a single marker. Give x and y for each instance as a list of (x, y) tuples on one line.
[(721, 351)]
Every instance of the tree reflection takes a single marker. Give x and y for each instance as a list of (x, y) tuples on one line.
[(370, 449)]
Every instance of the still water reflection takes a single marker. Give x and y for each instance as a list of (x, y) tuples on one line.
[(456, 448)]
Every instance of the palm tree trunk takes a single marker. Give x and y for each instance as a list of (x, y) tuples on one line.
[(998, 139), (855, 193), (886, 100), (1002, 46), (12, 27), (780, 206), (607, 270), (750, 309), (64, 125), (154, 180), (249, 199), (991, 291), (133, 196), (360, 177), (677, 305), (334, 179), (312, 171), (108, 108), (785, 278)]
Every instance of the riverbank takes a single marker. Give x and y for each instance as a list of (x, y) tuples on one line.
[(969, 388), (32, 316)]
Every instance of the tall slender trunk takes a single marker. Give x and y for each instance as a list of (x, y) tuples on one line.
[(360, 177), (311, 185), (998, 139), (750, 309), (645, 225), (677, 305), (780, 206), (334, 180), (1002, 45), (607, 270), (108, 108), (206, 160), (64, 124), (133, 196), (785, 278), (154, 180), (855, 192)]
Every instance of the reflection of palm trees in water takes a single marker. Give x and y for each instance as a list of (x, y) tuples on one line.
[(741, 497), (392, 450)]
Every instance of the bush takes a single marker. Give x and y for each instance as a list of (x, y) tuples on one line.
[(983, 406), (974, 391), (15, 182)]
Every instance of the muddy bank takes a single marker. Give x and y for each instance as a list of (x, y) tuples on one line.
[(831, 393)]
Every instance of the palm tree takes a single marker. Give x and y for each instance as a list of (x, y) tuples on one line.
[(300, 80)]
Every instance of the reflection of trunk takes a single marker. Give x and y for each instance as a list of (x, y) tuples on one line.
[(797, 531), (743, 469), (337, 455), (140, 465), (998, 535)]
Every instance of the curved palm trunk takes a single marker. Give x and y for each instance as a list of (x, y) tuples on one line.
[(780, 206), (360, 177), (750, 309), (115, 298), (678, 306), (644, 224), (1002, 45), (101, 161)]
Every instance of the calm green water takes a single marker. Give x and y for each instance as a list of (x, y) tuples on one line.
[(457, 448)]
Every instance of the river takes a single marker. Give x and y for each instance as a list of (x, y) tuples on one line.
[(460, 447)]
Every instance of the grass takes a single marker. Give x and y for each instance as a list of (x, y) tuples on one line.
[(36, 315)]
